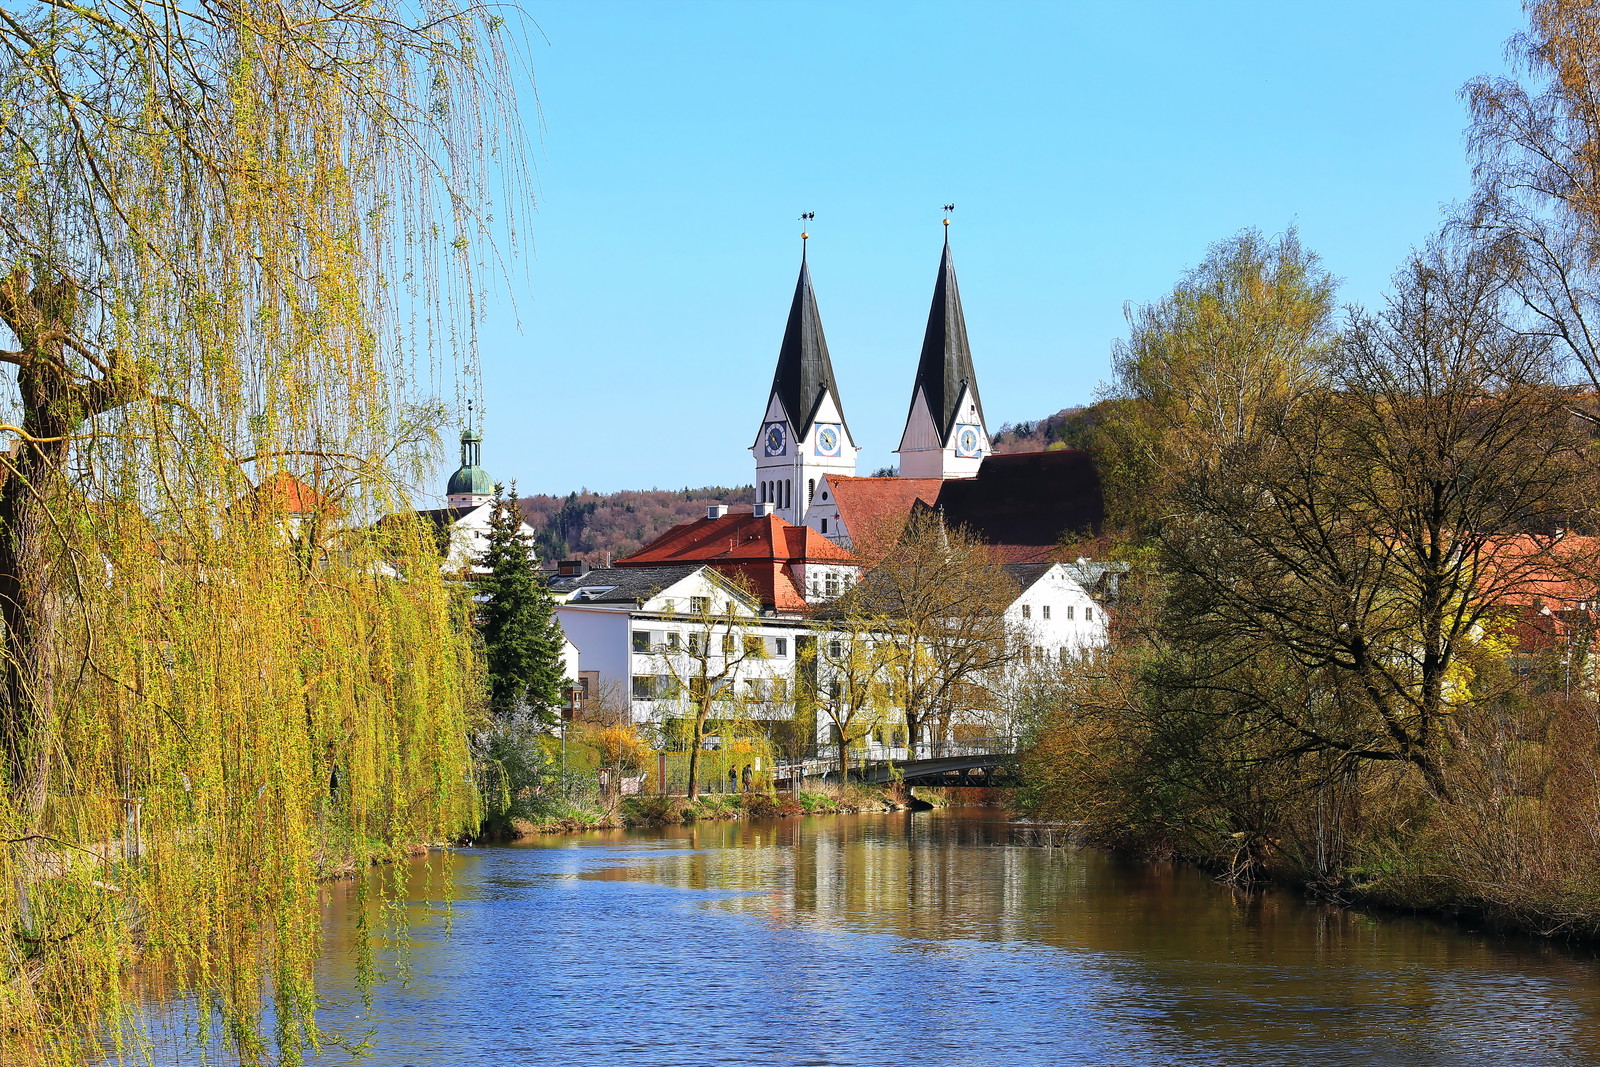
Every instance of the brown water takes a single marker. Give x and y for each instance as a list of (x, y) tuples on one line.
[(926, 939)]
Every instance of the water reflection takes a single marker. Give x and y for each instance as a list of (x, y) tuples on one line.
[(868, 939)]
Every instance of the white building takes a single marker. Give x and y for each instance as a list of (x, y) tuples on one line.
[(641, 633)]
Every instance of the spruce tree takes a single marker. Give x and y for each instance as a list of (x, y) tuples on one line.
[(517, 620)]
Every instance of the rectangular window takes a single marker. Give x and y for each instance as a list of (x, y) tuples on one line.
[(700, 605), (780, 646), (824, 525), (696, 643), (670, 606), (755, 646), (831, 585), (727, 644), (641, 640), (836, 649), (674, 641), (1070, 610), (1088, 615), (1044, 612), (646, 686), (1027, 611)]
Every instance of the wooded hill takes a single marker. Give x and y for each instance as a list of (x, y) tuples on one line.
[(599, 527)]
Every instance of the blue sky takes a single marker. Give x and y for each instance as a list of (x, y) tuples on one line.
[(1093, 152)]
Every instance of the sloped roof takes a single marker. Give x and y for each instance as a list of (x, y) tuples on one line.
[(1025, 503), (446, 516), (1535, 570), (737, 537), (285, 492), (946, 361), (624, 585), (868, 504), (1025, 574), (758, 550), (805, 373)]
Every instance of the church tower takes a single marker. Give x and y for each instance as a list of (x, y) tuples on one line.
[(470, 485), (803, 435), (945, 436)]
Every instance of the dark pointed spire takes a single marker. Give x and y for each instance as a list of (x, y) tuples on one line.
[(946, 362), (805, 374)]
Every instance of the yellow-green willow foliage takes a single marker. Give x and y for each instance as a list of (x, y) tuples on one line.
[(233, 236)]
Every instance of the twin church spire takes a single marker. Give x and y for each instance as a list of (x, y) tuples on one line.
[(804, 435)]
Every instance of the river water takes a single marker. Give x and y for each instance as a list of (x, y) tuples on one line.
[(925, 939)]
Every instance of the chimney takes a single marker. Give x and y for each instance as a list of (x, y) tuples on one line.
[(716, 511), (571, 568), (763, 510)]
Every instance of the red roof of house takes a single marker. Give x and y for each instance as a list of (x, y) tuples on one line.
[(1538, 570), (1549, 584), (868, 506), (284, 492), (759, 550)]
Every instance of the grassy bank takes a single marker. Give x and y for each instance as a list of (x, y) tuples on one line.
[(592, 812)]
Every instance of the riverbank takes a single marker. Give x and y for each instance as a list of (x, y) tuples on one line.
[(653, 810)]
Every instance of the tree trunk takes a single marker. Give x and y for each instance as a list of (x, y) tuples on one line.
[(844, 758), (695, 737)]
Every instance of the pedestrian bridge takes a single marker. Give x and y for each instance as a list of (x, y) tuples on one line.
[(968, 761)]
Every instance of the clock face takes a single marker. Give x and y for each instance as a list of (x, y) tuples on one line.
[(828, 441), (774, 439), (966, 441)]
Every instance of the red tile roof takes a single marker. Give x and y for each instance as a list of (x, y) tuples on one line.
[(284, 492), (1548, 584), (875, 509), (758, 550)]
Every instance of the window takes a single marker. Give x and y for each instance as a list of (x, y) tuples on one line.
[(1044, 612), (1070, 609), (1027, 611), (836, 649), (673, 641), (727, 644), (641, 640), (824, 521), (755, 646), (1063, 656), (788, 492), (653, 687), (669, 606), (696, 643), (811, 490), (831, 585), (700, 605), (780, 646), (1088, 615)]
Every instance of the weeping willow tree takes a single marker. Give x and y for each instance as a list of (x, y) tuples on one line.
[(234, 236)]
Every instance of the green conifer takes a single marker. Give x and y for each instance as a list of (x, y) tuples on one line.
[(517, 620)]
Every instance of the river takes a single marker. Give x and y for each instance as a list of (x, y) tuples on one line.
[(925, 939)]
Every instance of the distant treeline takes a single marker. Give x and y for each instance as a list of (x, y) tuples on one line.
[(599, 527), (1067, 428)]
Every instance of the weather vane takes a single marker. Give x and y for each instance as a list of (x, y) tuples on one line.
[(806, 218), (947, 209)]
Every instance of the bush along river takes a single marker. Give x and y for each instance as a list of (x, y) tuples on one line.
[(928, 938)]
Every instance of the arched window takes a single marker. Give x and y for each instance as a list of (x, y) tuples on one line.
[(811, 490), (788, 492)]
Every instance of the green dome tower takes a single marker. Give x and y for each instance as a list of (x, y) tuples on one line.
[(470, 485)]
